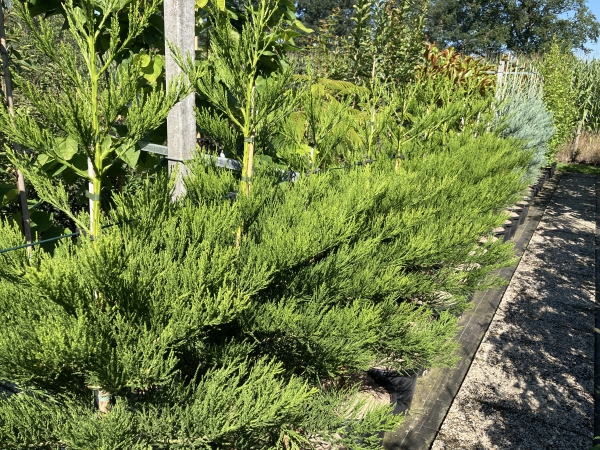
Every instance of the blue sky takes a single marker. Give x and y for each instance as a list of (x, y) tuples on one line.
[(594, 6)]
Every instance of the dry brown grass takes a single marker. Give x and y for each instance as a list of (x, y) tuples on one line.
[(588, 151)]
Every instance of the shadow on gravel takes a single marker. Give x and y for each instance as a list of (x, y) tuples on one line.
[(531, 384)]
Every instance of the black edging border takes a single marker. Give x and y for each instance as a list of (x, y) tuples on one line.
[(441, 386), (597, 320)]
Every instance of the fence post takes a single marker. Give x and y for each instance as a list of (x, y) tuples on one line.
[(181, 123), (9, 99), (501, 70), (576, 141)]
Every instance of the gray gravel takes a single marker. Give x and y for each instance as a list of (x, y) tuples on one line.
[(531, 383)]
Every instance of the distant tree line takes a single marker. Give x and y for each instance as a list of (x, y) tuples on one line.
[(485, 26)]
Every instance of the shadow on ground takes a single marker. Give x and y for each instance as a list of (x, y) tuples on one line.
[(531, 383)]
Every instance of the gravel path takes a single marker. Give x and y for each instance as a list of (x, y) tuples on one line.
[(531, 383)]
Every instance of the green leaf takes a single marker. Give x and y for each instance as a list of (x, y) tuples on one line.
[(65, 148), (145, 60), (153, 70), (52, 232), (40, 221), (42, 159), (8, 193), (131, 156), (264, 159), (201, 3), (106, 146), (302, 27), (221, 5)]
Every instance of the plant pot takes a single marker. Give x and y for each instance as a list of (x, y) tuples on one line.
[(533, 190), (514, 218), (540, 184), (552, 169), (499, 233), (508, 227), (400, 386), (518, 209), (524, 211)]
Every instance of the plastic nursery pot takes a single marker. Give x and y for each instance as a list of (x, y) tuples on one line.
[(514, 218), (508, 227), (533, 190), (519, 210), (524, 211), (552, 169), (499, 233), (400, 386), (540, 183)]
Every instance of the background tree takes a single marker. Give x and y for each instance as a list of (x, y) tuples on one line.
[(314, 12), (521, 25)]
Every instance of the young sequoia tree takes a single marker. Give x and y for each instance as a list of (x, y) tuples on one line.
[(100, 111)]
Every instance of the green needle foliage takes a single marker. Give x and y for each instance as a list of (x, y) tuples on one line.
[(522, 114), (100, 113), (248, 321), (208, 340), (246, 83)]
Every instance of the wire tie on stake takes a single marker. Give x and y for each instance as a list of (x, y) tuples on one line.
[(104, 397), (249, 139), (93, 197)]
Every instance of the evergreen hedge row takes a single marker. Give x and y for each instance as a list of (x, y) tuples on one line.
[(247, 320), (211, 340)]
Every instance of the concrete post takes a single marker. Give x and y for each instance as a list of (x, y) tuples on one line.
[(181, 123)]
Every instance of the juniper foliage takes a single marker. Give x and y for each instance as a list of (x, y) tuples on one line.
[(188, 324), (244, 321), (522, 114)]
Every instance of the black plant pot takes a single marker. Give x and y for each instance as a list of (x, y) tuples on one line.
[(518, 209), (400, 386), (514, 218), (540, 184), (552, 169), (508, 227), (533, 189), (499, 233), (524, 211)]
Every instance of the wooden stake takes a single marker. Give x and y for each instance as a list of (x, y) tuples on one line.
[(9, 98), (501, 70), (181, 123), (576, 143)]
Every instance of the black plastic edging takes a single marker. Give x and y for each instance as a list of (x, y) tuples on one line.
[(441, 386), (597, 320)]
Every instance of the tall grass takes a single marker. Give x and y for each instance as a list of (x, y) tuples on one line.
[(586, 79)]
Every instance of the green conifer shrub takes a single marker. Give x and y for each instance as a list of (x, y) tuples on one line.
[(106, 105), (185, 323), (242, 321)]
